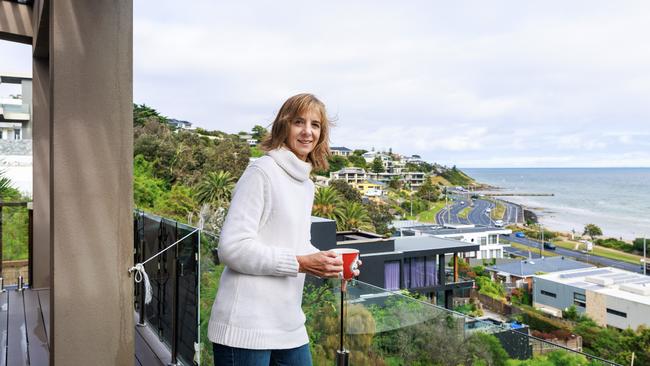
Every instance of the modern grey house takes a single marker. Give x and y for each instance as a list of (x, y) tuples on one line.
[(418, 264), (610, 296)]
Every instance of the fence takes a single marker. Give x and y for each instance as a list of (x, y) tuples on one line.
[(173, 311)]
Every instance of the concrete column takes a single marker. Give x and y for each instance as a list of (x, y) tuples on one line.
[(91, 182), (41, 168)]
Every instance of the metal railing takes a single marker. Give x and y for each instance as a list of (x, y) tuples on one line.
[(174, 309)]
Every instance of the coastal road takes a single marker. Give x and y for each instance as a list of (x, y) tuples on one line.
[(583, 257), (522, 253), (478, 216)]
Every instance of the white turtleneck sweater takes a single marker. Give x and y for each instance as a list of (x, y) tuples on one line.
[(258, 304)]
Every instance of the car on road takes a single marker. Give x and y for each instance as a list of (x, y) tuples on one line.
[(520, 234), (498, 223), (488, 210), (549, 246)]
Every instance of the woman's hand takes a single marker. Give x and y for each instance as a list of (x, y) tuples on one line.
[(321, 264)]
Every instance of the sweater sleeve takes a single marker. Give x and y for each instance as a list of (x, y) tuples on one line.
[(239, 246)]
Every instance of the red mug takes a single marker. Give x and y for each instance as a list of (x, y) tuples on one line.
[(350, 261)]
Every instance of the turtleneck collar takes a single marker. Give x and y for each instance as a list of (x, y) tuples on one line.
[(287, 160)]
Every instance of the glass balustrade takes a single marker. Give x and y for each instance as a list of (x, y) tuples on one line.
[(383, 327)]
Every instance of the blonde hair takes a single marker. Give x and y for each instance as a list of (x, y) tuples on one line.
[(292, 109)]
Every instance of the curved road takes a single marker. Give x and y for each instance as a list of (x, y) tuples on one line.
[(514, 214)]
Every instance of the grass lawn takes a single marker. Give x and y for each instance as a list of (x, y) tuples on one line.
[(464, 212), (603, 252), (545, 253), (499, 211), (430, 214)]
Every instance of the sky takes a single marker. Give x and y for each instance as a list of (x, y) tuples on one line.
[(466, 83)]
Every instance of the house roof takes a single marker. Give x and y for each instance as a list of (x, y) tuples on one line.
[(607, 281), (445, 230), (428, 243), (527, 268), (339, 148)]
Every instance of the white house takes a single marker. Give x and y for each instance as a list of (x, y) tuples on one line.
[(486, 237)]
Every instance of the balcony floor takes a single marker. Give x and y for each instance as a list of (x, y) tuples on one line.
[(24, 327)]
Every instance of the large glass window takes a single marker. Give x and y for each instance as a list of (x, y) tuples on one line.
[(549, 294), (391, 275), (617, 313), (579, 300), (492, 239), (419, 272)]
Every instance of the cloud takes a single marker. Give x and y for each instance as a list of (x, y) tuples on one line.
[(460, 83)]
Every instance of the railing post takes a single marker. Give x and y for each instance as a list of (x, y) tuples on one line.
[(30, 244), (174, 340), (342, 355), (141, 259)]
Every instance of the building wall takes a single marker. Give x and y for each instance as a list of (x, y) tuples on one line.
[(637, 313), (563, 294), (596, 305)]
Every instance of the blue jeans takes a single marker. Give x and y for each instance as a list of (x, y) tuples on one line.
[(231, 356)]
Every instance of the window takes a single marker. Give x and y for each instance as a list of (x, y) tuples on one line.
[(617, 313), (483, 240), (391, 275), (492, 239), (579, 300), (483, 254), (419, 272), (17, 134), (549, 294)]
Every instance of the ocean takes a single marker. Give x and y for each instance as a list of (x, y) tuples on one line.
[(615, 199)]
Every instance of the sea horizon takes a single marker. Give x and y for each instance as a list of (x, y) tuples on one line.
[(613, 198)]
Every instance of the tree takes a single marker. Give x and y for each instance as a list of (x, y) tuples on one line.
[(380, 216), (377, 166), (143, 113), (592, 230), (215, 188), (258, 132), (326, 200), (357, 161), (7, 190), (348, 192), (395, 183), (352, 215), (427, 191), (337, 162)]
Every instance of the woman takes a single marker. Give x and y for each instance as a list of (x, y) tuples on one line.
[(265, 244)]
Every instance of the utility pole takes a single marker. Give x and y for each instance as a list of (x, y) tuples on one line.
[(541, 248)]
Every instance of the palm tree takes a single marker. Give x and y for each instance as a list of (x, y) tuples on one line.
[(6, 187), (352, 215), (326, 200), (215, 188)]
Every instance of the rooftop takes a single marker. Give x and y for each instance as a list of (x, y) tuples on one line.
[(340, 148), (527, 268), (420, 243), (452, 230), (13, 78), (607, 281)]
